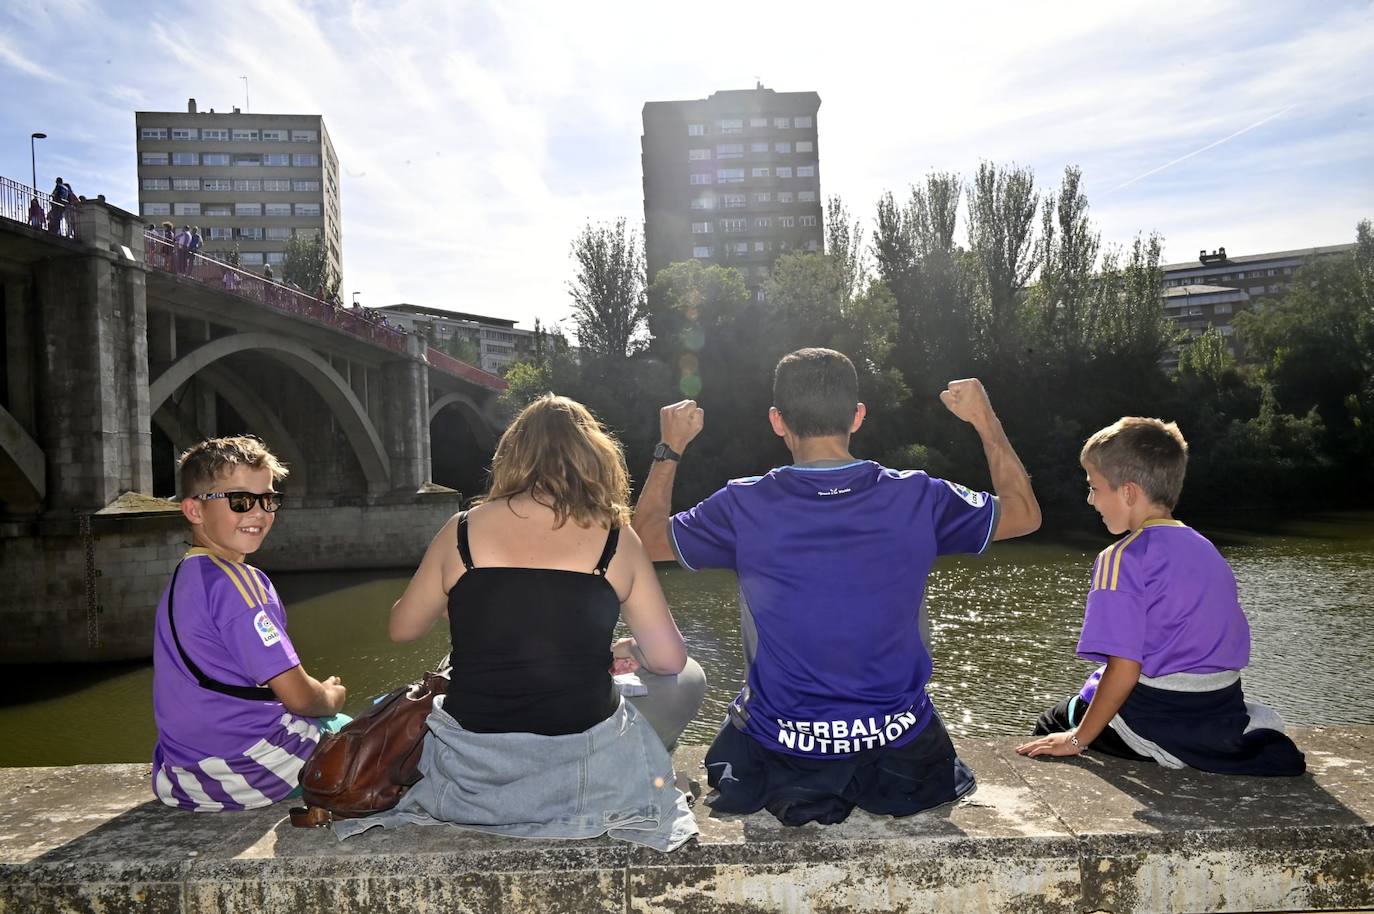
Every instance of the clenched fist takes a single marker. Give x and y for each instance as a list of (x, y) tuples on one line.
[(968, 400), (679, 423)]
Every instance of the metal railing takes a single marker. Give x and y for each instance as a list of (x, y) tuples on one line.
[(163, 255), (23, 204)]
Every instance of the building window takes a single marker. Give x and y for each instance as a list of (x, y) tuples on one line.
[(701, 228), (278, 233), (806, 196), (277, 209), (247, 209), (1223, 308), (758, 122), (758, 249), (806, 171), (157, 183), (763, 222), (306, 159), (704, 203), (157, 209), (214, 158), (186, 184), (186, 209), (732, 201), (307, 209), (210, 134), (758, 147), (185, 133), (701, 250), (808, 221), (1287, 271), (730, 151), (760, 172), (1273, 272), (696, 130), (805, 146), (764, 197), (152, 133), (276, 159), (185, 158), (760, 295), (1226, 329), (733, 225), (245, 136), (217, 184), (813, 245), (787, 221), (217, 209), (250, 259), (274, 136), (1240, 274), (782, 123), (730, 176), (276, 256), (784, 196), (698, 155), (242, 185), (784, 171), (697, 177), (253, 233), (221, 233), (250, 160), (276, 184), (302, 187), (1274, 288), (304, 136), (732, 125), (800, 122), (782, 147)]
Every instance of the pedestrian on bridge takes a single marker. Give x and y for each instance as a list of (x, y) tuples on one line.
[(36, 215), (58, 207)]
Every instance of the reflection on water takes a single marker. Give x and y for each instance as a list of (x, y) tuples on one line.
[(1005, 627)]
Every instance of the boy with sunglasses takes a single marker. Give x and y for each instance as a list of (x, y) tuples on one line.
[(237, 715)]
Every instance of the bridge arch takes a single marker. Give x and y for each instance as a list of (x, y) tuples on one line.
[(474, 415), (328, 383)]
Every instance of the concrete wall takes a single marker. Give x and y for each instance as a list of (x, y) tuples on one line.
[(392, 534)]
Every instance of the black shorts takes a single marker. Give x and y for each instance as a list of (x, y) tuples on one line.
[(922, 774), (1068, 714)]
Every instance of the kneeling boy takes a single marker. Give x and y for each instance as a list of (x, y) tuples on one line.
[(224, 741), (1164, 618)]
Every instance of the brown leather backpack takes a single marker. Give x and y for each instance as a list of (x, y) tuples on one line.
[(367, 766)]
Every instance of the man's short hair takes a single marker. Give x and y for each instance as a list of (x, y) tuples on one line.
[(200, 466), (1148, 452), (817, 392)]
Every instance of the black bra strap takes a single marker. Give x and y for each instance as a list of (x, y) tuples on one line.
[(612, 540), (464, 552), (249, 693)]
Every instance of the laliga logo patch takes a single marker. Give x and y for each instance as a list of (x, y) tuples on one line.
[(265, 629), (974, 498)]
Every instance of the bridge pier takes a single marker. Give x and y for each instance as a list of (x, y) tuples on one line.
[(405, 392)]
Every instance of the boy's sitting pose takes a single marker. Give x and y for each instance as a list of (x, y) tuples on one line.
[(225, 742), (1163, 616)]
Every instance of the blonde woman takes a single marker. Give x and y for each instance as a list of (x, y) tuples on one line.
[(532, 733)]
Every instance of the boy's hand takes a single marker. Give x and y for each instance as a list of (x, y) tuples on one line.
[(335, 693), (679, 423), (1054, 744), (968, 400)]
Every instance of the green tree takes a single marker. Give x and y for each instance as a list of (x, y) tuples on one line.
[(607, 290), (1001, 216), (307, 265), (845, 243), (1062, 297)]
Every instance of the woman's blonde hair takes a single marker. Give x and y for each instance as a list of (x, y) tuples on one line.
[(557, 451)]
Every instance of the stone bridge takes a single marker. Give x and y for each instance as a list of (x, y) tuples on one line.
[(116, 359)]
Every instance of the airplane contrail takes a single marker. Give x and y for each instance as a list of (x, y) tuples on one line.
[(1155, 171)]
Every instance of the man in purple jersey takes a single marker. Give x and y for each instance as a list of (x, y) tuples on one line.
[(1164, 619), (832, 555), (237, 715)]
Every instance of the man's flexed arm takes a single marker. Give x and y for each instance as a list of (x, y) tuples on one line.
[(1020, 512), (678, 425)]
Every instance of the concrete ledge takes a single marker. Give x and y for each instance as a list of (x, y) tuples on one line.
[(1084, 835)]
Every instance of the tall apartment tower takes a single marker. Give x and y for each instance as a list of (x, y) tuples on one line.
[(733, 179), (249, 181)]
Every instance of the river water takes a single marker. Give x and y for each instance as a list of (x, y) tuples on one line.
[(1005, 626)]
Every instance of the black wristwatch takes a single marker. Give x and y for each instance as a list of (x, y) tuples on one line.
[(663, 452)]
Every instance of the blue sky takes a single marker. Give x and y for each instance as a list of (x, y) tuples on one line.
[(477, 138)]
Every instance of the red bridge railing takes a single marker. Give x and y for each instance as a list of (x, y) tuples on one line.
[(17, 204)]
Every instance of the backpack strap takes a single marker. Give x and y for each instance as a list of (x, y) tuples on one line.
[(464, 552), (248, 693), (612, 540)]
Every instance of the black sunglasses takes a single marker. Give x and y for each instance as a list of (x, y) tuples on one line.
[(242, 502)]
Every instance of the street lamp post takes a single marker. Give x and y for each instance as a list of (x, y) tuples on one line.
[(33, 159)]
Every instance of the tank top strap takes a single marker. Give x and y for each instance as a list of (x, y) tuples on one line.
[(612, 540), (464, 552)]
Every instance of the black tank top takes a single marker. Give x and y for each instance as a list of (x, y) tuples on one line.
[(531, 646)]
